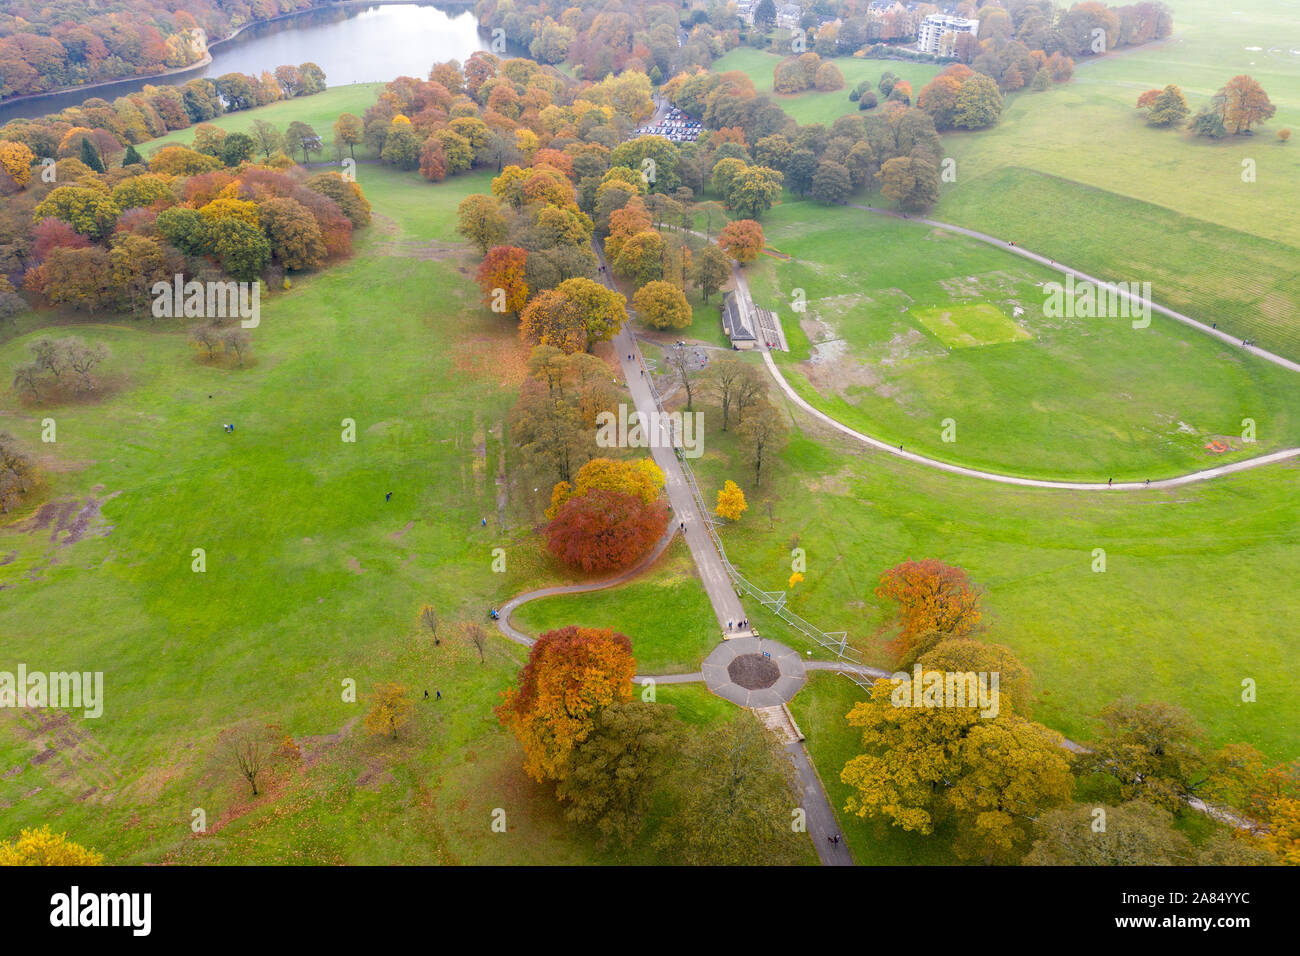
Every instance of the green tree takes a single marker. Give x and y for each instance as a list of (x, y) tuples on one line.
[(90, 156), (1133, 834), (753, 191), (734, 789), (712, 269), (831, 183), (612, 775), (910, 182), (979, 104), (1151, 750)]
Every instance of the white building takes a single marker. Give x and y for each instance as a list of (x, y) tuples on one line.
[(934, 28), (788, 16)]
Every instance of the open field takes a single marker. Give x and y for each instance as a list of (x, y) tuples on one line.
[(813, 106), (1076, 174), (1195, 595), (665, 612), (1083, 398)]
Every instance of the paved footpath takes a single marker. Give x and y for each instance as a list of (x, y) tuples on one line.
[(742, 288)]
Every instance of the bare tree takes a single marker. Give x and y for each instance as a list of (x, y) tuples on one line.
[(250, 754), (27, 377), (723, 378), (428, 618), (236, 340), (83, 358), (679, 358), (751, 388), (763, 435), (478, 637)]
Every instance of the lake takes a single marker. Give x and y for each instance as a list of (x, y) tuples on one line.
[(352, 44)]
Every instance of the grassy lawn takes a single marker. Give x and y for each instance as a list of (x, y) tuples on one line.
[(815, 107), (1029, 394), (665, 612), (1076, 174), (1194, 597), (311, 578)]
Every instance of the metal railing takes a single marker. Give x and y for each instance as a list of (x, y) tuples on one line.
[(837, 642)]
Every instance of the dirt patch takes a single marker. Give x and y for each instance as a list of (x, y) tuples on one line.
[(64, 753), (397, 535), (73, 518), (355, 566), (753, 671)]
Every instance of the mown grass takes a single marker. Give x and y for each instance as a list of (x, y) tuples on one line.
[(1082, 398), (1194, 597)]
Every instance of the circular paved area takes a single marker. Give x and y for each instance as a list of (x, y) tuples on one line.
[(775, 680)]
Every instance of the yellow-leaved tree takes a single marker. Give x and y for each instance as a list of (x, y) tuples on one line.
[(44, 847), (390, 710), (731, 502), (641, 478)]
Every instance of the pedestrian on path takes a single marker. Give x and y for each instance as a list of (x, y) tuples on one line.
[(1109, 482)]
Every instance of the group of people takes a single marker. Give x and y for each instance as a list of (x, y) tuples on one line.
[(738, 625)]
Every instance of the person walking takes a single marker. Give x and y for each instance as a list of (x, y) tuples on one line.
[(389, 496)]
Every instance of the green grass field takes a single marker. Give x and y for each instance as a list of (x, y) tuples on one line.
[(1065, 397), (665, 612), (1194, 597), (970, 326), (318, 111), (1076, 174)]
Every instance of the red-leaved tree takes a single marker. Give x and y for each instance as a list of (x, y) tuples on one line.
[(605, 530)]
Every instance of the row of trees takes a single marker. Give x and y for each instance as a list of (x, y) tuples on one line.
[(101, 240), (112, 128), (1005, 788), (723, 795)]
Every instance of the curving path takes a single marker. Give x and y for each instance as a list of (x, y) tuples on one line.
[(742, 287)]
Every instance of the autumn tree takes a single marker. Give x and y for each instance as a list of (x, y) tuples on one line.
[(390, 710), (501, 277), (571, 674), (605, 530), (662, 305), (931, 597), (731, 502), (553, 318), (679, 360), (1165, 107), (924, 764), (17, 468), (639, 477), (711, 271), (480, 220), (1242, 103), (41, 846), (294, 233), (831, 183), (604, 310), (349, 131), (612, 775), (742, 239)]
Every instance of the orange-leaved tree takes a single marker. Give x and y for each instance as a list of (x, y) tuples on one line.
[(742, 240), (501, 277), (933, 599), (571, 674)]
